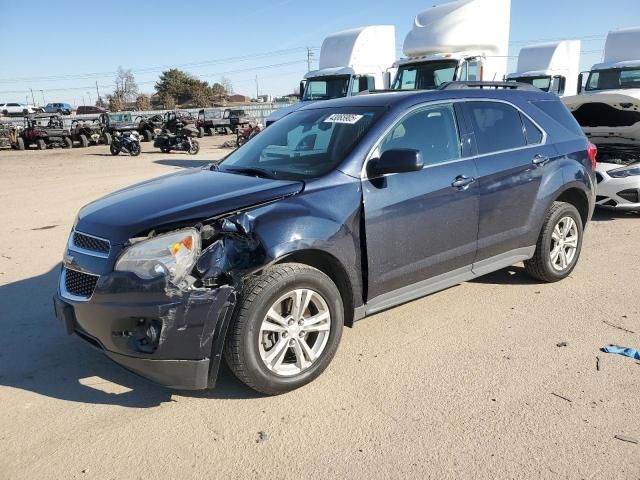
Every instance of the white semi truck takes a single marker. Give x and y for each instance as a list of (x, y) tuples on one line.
[(551, 67), (463, 40), (351, 62), (608, 108)]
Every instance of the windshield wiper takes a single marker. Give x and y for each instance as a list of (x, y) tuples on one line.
[(253, 171)]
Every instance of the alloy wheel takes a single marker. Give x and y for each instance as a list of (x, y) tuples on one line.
[(564, 244)]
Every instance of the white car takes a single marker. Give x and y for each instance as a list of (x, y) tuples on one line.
[(618, 185), (16, 109)]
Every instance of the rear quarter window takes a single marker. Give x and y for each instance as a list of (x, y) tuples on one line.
[(558, 112)]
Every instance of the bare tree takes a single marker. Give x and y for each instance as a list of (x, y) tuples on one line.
[(116, 102), (126, 86), (228, 87)]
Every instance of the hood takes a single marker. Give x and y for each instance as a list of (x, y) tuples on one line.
[(284, 111), (611, 97), (186, 196)]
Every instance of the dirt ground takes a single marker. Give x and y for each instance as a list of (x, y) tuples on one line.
[(472, 382)]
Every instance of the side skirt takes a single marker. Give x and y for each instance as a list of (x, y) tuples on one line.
[(442, 282)]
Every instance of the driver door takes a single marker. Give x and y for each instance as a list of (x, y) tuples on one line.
[(419, 226)]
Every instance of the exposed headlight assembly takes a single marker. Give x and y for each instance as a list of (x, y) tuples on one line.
[(172, 254), (628, 171)]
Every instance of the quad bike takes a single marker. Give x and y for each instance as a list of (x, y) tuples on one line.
[(10, 137), (243, 135), (86, 133), (46, 135)]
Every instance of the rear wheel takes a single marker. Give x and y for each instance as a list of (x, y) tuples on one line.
[(134, 149), (42, 145), (286, 330), (559, 244), (200, 132), (20, 143), (68, 143), (106, 138), (113, 149), (84, 141), (148, 135)]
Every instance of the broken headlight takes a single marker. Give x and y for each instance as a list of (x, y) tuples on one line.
[(172, 254), (628, 171)]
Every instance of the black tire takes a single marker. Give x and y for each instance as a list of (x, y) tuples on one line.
[(165, 149), (42, 145), (5, 112), (113, 149), (68, 143), (20, 143), (134, 150), (209, 131), (148, 135), (540, 266), (84, 141), (242, 344), (195, 148), (200, 132), (106, 138)]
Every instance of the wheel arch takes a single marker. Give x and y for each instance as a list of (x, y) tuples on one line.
[(331, 267), (578, 198)]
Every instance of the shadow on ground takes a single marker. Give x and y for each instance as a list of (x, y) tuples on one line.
[(37, 355), (606, 215), (513, 275)]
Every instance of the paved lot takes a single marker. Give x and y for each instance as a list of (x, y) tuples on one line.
[(467, 383)]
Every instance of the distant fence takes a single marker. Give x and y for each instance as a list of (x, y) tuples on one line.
[(258, 110)]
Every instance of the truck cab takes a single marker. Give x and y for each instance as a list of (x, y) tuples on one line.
[(551, 67), (351, 62), (464, 40)]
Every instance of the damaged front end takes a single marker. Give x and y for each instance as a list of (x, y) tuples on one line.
[(160, 305)]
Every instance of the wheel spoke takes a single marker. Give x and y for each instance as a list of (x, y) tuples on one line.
[(301, 361), (269, 326), (563, 258), (557, 234), (276, 317), (555, 254), (571, 242), (317, 327), (276, 354), (301, 303), (320, 317), (308, 353)]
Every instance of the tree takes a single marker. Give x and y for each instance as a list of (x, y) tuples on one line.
[(116, 102), (182, 86), (228, 87), (169, 102), (143, 102), (217, 91), (101, 103), (126, 86), (201, 96)]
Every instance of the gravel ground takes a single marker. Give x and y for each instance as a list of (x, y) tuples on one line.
[(497, 378)]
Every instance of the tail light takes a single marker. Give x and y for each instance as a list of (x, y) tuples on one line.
[(592, 150)]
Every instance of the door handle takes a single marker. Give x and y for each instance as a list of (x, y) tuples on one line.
[(539, 159), (462, 183)]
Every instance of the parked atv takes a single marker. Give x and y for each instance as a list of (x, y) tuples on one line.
[(149, 127), (243, 135), (173, 121), (126, 142), (181, 141), (46, 131), (211, 121), (86, 132), (10, 137)]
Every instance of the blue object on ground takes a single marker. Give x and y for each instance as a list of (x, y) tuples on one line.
[(624, 351)]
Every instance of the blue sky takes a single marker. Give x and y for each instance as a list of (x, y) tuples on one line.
[(80, 43)]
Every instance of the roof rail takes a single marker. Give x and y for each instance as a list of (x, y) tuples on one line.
[(487, 85)]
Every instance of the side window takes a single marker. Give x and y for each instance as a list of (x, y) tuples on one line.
[(432, 131), (533, 133), (474, 71), (497, 126), (360, 84)]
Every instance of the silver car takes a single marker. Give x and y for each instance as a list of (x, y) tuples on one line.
[(618, 184)]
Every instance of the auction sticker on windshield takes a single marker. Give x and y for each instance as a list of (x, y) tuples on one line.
[(350, 118)]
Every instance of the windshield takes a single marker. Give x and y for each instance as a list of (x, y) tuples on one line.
[(303, 145), (425, 76), (543, 83), (325, 88), (614, 79)]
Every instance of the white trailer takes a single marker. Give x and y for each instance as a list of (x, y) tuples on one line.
[(463, 40), (608, 108), (351, 61), (551, 67)]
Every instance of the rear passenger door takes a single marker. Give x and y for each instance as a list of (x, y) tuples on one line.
[(511, 155)]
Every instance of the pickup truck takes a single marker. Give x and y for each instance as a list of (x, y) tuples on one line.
[(339, 210)]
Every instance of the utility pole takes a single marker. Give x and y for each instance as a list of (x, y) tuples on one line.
[(44, 102), (309, 56), (98, 92), (33, 99), (257, 88)]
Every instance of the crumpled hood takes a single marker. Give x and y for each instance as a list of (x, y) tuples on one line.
[(611, 97), (186, 196)]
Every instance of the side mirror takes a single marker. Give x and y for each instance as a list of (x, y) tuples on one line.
[(395, 161), (580, 80), (302, 84)]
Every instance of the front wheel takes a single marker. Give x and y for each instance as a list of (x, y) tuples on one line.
[(148, 136), (559, 244), (68, 143), (195, 148), (20, 143), (84, 141), (134, 149), (200, 132), (106, 138), (286, 329), (113, 149), (42, 145)]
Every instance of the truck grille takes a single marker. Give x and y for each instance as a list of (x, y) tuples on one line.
[(78, 283), (93, 244)]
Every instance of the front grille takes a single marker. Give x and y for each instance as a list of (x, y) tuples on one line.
[(630, 195), (87, 242), (79, 284), (599, 177)]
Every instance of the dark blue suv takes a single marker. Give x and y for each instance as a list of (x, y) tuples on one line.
[(339, 210)]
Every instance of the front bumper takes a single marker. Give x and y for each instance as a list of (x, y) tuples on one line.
[(617, 193), (190, 327)]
